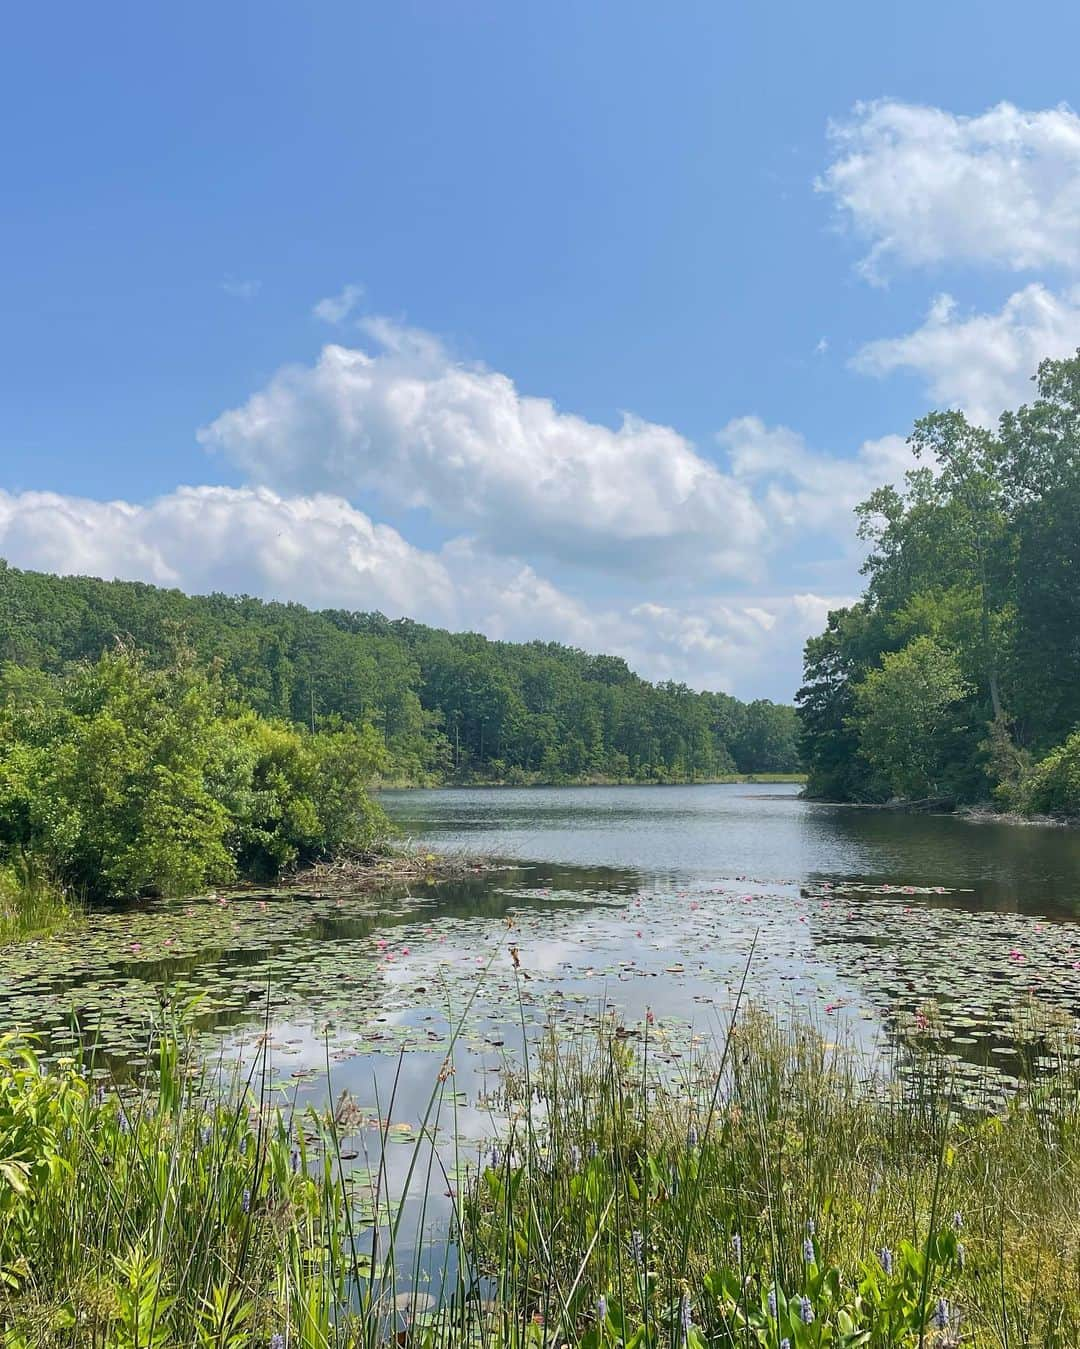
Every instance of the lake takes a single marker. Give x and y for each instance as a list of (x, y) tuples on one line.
[(642, 904)]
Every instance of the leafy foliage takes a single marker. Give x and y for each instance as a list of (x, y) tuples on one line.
[(960, 665), (906, 713), (443, 706), (119, 778)]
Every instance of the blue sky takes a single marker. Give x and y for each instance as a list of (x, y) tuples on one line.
[(771, 236)]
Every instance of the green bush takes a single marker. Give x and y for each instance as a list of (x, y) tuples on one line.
[(122, 779), (1053, 787)]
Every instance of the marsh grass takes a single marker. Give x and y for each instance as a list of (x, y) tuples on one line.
[(775, 1188), (779, 1190), (31, 904)]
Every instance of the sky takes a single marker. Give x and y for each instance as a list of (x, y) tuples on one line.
[(590, 322)]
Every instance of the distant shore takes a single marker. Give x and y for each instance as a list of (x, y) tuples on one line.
[(598, 781)]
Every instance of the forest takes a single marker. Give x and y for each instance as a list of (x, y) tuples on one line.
[(446, 707), (955, 679)]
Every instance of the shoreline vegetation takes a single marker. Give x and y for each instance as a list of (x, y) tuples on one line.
[(120, 780), (598, 780), (777, 1190), (955, 679)]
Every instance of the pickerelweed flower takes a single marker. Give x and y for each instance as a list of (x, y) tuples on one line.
[(601, 1308), (637, 1247), (885, 1256), (785, 1343), (941, 1314), (811, 1227), (736, 1247), (958, 1220), (808, 1251), (277, 1340), (772, 1303), (692, 1137), (686, 1315), (245, 1201), (806, 1310), (496, 1159)]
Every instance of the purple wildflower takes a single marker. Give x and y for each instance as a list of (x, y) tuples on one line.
[(601, 1308), (808, 1251), (772, 1303), (941, 1314), (686, 1318), (736, 1247), (637, 1247), (806, 1310), (885, 1256)]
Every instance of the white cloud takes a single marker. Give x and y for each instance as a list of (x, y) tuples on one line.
[(925, 186), (317, 550), (337, 308), (423, 430), (982, 363), (241, 290), (800, 489), (321, 551), (752, 648)]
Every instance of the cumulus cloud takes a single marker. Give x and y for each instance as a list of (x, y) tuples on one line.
[(317, 550), (321, 551), (982, 363), (925, 186), (750, 647), (802, 489), (422, 430), (337, 308)]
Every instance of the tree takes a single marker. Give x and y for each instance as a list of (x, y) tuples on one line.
[(906, 718)]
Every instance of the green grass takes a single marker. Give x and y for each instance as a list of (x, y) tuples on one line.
[(31, 905), (704, 1209), (622, 1202)]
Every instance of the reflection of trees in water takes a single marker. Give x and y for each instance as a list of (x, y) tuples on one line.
[(1009, 868)]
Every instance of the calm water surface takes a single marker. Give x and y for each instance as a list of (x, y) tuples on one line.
[(766, 831)]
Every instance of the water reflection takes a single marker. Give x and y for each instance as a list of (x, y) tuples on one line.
[(643, 900), (764, 832)]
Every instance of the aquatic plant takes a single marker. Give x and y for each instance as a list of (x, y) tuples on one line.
[(786, 1124)]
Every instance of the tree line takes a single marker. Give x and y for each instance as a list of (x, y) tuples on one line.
[(956, 676), (444, 706)]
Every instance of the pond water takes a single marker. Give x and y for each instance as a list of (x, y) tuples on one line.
[(639, 903)]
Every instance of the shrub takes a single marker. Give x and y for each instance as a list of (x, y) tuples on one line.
[(1053, 787), (126, 780)]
